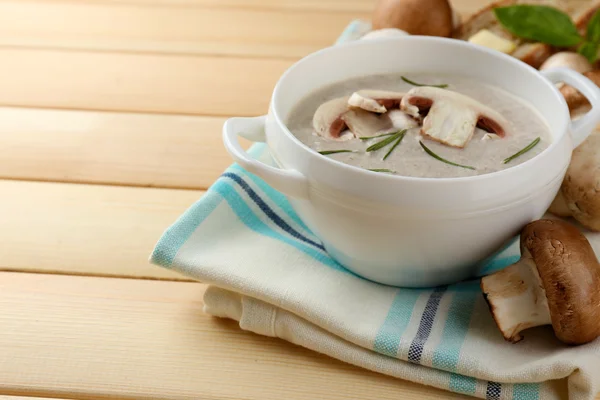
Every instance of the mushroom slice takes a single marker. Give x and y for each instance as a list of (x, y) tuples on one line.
[(555, 282), (377, 101), (402, 120), (451, 117), (327, 120), (363, 123)]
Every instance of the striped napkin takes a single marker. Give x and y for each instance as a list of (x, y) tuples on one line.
[(268, 271)]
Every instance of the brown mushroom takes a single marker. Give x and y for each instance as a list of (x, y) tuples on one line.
[(451, 117), (575, 100), (579, 194), (364, 124), (378, 101), (568, 59), (582, 16), (327, 120), (555, 282), (417, 17), (559, 206)]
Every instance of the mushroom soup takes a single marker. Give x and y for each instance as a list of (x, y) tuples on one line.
[(420, 125)]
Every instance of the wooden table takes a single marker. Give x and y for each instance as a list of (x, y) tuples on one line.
[(110, 123)]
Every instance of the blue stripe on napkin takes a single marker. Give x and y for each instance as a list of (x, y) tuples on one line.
[(269, 212), (416, 347), (388, 337), (176, 235), (447, 354), (526, 391)]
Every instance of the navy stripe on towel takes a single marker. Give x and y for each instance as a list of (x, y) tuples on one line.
[(270, 213), (415, 350), (494, 390)]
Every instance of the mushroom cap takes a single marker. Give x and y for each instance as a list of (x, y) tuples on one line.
[(568, 59), (570, 275), (378, 101), (364, 123), (576, 100), (559, 206), (417, 17), (581, 186), (386, 32), (451, 116), (327, 120)]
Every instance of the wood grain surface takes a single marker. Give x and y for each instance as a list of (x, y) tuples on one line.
[(112, 148), (183, 30), (90, 230), (150, 340), (110, 127), (107, 81)]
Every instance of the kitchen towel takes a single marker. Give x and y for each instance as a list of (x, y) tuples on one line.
[(268, 271)]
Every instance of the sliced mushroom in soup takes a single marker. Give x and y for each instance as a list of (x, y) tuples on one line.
[(455, 127)]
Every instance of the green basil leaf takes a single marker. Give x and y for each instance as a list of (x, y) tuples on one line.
[(540, 23), (589, 50), (593, 28)]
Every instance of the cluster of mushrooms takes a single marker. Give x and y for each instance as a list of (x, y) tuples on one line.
[(578, 197), (447, 117), (557, 280)]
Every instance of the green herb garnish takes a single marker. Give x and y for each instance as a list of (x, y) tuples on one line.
[(551, 26), (442, 86), (540, 23), (590, 47), (525, 150), (386, 141), (432, 154), (395, 144), (376, 136), (589, 50), (327, 152), (385, 170)]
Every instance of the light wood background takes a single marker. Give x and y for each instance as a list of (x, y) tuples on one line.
[(110, 119)]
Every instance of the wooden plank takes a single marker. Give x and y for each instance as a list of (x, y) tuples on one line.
[(30, 398), (361, 6), (364, 6), (112, 148), (138, 83), (166, 29), (80, 229), (126, 82), (99, 337)]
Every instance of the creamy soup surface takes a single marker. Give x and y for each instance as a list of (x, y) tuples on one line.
[(485, 152)]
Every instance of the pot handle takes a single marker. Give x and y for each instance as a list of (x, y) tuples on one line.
[(584, 126), (287, 181)]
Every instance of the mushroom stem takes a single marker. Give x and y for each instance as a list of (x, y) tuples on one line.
[(517, 298)]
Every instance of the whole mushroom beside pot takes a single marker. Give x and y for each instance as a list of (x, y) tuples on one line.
[(579, 195), (556, 282), (416, 17)]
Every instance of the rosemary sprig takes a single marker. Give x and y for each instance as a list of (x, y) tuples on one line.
[(432, 154), (521, 152), (327, 152), (376, 136), (386, 141), (442, 86), (384, 170), (402, 133)]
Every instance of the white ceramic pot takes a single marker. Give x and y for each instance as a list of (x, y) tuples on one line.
[(403, 231)]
